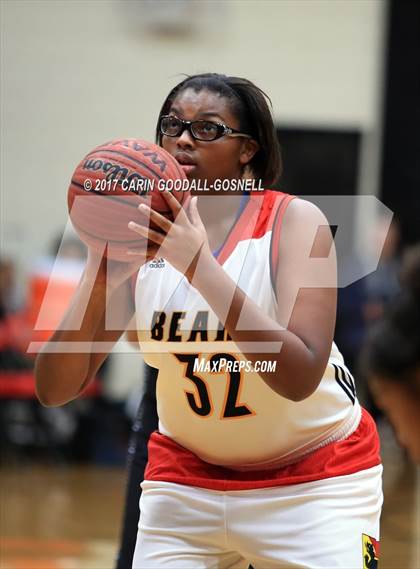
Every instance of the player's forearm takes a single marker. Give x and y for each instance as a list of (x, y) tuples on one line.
[(60, 370), (298, 368)]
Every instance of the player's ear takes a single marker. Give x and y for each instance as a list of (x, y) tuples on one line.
[(249, 149)]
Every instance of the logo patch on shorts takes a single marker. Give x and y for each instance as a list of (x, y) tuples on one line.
[(370, 550)]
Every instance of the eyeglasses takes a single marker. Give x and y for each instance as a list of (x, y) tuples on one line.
[(200, 130)]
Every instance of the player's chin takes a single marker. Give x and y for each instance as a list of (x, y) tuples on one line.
[(190, 171), (195, 174)]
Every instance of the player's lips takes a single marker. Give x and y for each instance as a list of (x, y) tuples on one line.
[(184, 159)]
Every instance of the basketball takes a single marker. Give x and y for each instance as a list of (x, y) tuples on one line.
[(107, 187)]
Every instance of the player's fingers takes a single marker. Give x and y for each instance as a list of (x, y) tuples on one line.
[(156, 217), (150, 234), (193, 212), (177, 210), (144, 199)]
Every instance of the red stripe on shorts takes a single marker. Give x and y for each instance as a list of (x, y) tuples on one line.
[(170, 462)]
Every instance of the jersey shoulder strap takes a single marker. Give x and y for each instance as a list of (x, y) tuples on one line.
[(278, 202)]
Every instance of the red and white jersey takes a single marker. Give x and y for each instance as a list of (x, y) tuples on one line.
[(233, 419)]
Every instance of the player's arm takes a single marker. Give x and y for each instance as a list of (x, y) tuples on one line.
[(306, 290), (306, 296), (62, 374)]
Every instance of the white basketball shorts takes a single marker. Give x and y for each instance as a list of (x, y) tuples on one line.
[(328, 524)]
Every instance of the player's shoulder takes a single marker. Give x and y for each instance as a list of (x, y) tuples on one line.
[(291, 210), (303, 212), (296, 206), (303, 224)]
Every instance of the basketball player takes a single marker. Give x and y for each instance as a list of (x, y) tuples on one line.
[(263, 453)]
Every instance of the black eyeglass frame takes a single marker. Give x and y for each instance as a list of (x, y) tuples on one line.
[(222, 129)]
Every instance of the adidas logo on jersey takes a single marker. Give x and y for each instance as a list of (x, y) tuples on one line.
[(157, 263)]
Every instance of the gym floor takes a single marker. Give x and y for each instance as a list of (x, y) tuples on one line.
[(69, 517)]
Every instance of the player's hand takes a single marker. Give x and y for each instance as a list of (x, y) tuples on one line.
[(180, 242)]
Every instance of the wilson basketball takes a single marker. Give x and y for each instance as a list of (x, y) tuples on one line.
[(108, 185)]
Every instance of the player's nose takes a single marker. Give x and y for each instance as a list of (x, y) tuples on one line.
[(185, 139)]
